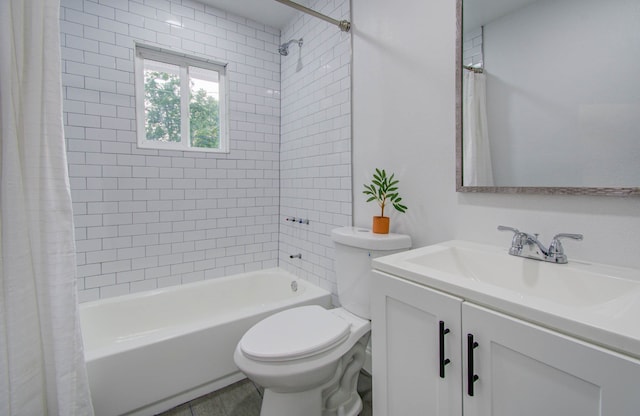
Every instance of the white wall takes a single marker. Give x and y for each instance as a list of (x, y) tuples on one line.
[(315, 157), (149, 218), (404, 121)]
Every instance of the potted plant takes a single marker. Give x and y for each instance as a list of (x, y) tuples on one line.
[(384, 190)]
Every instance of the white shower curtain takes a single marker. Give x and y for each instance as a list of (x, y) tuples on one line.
[(42, 369), (476, 153)]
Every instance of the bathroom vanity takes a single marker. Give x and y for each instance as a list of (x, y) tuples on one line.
[(463, 328)]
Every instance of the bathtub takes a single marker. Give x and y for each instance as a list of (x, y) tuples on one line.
[(151, 351)]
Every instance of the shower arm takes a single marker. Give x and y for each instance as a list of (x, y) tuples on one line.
[(344, 25), (284, 48)]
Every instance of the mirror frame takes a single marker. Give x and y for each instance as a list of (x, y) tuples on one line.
[(510, 189)]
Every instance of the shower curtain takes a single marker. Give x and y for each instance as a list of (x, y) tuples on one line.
[(476, 153), (42, 369)]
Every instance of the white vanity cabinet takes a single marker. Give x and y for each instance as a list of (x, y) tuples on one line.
[(522, 369), (406, 340), (526, 370)]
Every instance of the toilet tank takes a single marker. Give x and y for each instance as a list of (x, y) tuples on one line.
[(355, 247)]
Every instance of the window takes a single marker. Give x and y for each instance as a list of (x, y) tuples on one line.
[(181, 102)]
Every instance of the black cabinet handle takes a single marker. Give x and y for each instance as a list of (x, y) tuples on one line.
[(443, 361), (471, 377)]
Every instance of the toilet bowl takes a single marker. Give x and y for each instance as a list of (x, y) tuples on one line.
[(308, 358)]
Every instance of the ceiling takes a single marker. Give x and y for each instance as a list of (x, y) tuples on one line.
[(269, 12), (277, 15), (477, 13)]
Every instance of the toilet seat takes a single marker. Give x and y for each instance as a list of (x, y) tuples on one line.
[(294, 334)]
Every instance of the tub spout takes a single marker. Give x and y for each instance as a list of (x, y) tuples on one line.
[(296, 256)]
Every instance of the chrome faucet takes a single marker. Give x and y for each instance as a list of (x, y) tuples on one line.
[(536, 251)]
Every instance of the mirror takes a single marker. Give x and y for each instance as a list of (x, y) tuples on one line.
[(547, 99)]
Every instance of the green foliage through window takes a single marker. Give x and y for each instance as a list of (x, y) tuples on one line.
[(204, 120), (162, 108), (180, 102)]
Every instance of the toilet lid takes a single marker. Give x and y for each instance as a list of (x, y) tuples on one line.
[(294, 333)]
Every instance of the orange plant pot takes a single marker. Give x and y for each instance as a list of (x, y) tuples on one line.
[(381, 225)]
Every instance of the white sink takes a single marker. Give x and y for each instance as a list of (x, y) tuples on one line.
[(596, 302), (576, 284)]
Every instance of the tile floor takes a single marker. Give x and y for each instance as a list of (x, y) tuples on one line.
[(244, 398)]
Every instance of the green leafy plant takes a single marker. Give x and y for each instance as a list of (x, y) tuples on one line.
[(384, 190)]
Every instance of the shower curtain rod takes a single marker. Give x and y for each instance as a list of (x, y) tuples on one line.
[(344, 25), (474, 69)]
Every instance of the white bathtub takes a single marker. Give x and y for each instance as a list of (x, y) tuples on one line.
[(151, 351)]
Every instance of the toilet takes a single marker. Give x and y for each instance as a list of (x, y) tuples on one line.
[(308, 358)]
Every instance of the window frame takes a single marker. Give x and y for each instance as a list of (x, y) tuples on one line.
[(183, 61)]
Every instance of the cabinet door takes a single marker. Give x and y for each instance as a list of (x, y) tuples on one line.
[(406, 349), (527, 370)]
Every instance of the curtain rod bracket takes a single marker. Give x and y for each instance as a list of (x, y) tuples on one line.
[(344, 25)]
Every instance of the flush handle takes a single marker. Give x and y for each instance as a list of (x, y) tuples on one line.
[(443, 361), (471, 376)]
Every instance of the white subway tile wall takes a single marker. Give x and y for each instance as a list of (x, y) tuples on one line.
[(147, 218), (315, 146), (472, 48)]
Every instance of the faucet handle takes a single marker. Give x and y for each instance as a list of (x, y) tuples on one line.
[(565, 235), (518, 241), (556, 251), (555, 248), (505, 228)]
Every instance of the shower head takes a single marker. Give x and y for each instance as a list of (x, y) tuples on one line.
[(284, 48)]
